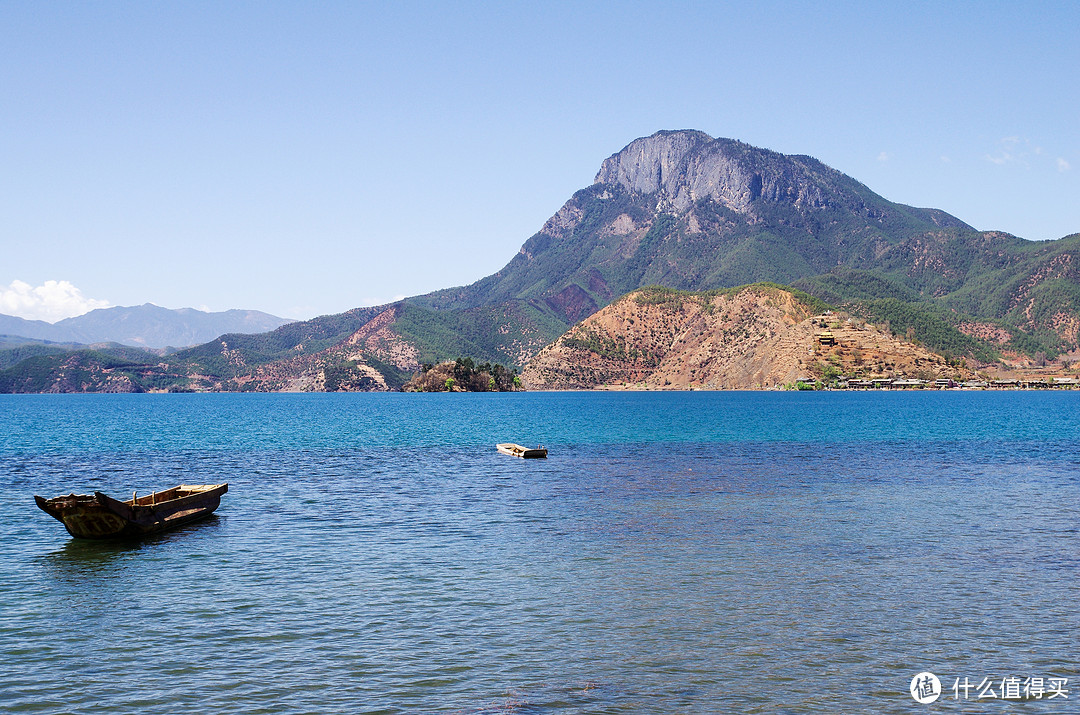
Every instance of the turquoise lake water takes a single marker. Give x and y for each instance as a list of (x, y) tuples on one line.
[(703, 552)]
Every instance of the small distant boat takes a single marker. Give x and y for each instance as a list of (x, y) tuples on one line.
[(99, 516), (516, 450)]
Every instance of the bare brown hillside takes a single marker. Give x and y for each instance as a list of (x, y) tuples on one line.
[(341, 368), (759, 337)]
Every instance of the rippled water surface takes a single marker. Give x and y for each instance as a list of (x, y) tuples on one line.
[(678, 552)]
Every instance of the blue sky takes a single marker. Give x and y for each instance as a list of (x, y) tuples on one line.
[(307, 158)]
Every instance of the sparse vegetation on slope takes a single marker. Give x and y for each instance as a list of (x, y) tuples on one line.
[(752, 337), (88, 371)]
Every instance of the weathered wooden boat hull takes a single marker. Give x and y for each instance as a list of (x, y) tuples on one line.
[(516, 450), (99, 516)]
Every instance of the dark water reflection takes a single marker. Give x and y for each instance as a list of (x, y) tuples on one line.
[(86, 561), (80, 560)]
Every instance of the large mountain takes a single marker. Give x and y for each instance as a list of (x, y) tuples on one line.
[(146, 326), (686, 211)]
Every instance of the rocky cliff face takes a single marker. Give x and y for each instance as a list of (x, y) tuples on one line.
[(685, 167)]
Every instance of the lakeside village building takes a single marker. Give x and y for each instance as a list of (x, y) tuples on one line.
[(888, 383), (827, 338)]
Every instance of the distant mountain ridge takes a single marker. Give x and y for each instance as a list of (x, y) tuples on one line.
[(146, 326)]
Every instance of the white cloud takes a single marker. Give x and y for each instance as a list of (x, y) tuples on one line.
[(1022, 152), (1010, 150), (883, 156), (51, 301)]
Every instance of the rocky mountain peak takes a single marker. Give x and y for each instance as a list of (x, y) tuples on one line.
[(682, 167), (654, 163)]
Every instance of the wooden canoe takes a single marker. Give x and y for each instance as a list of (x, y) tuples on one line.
[(516, 450), (99, 516)]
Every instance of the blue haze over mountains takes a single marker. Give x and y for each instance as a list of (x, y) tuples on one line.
[(146, 326)]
